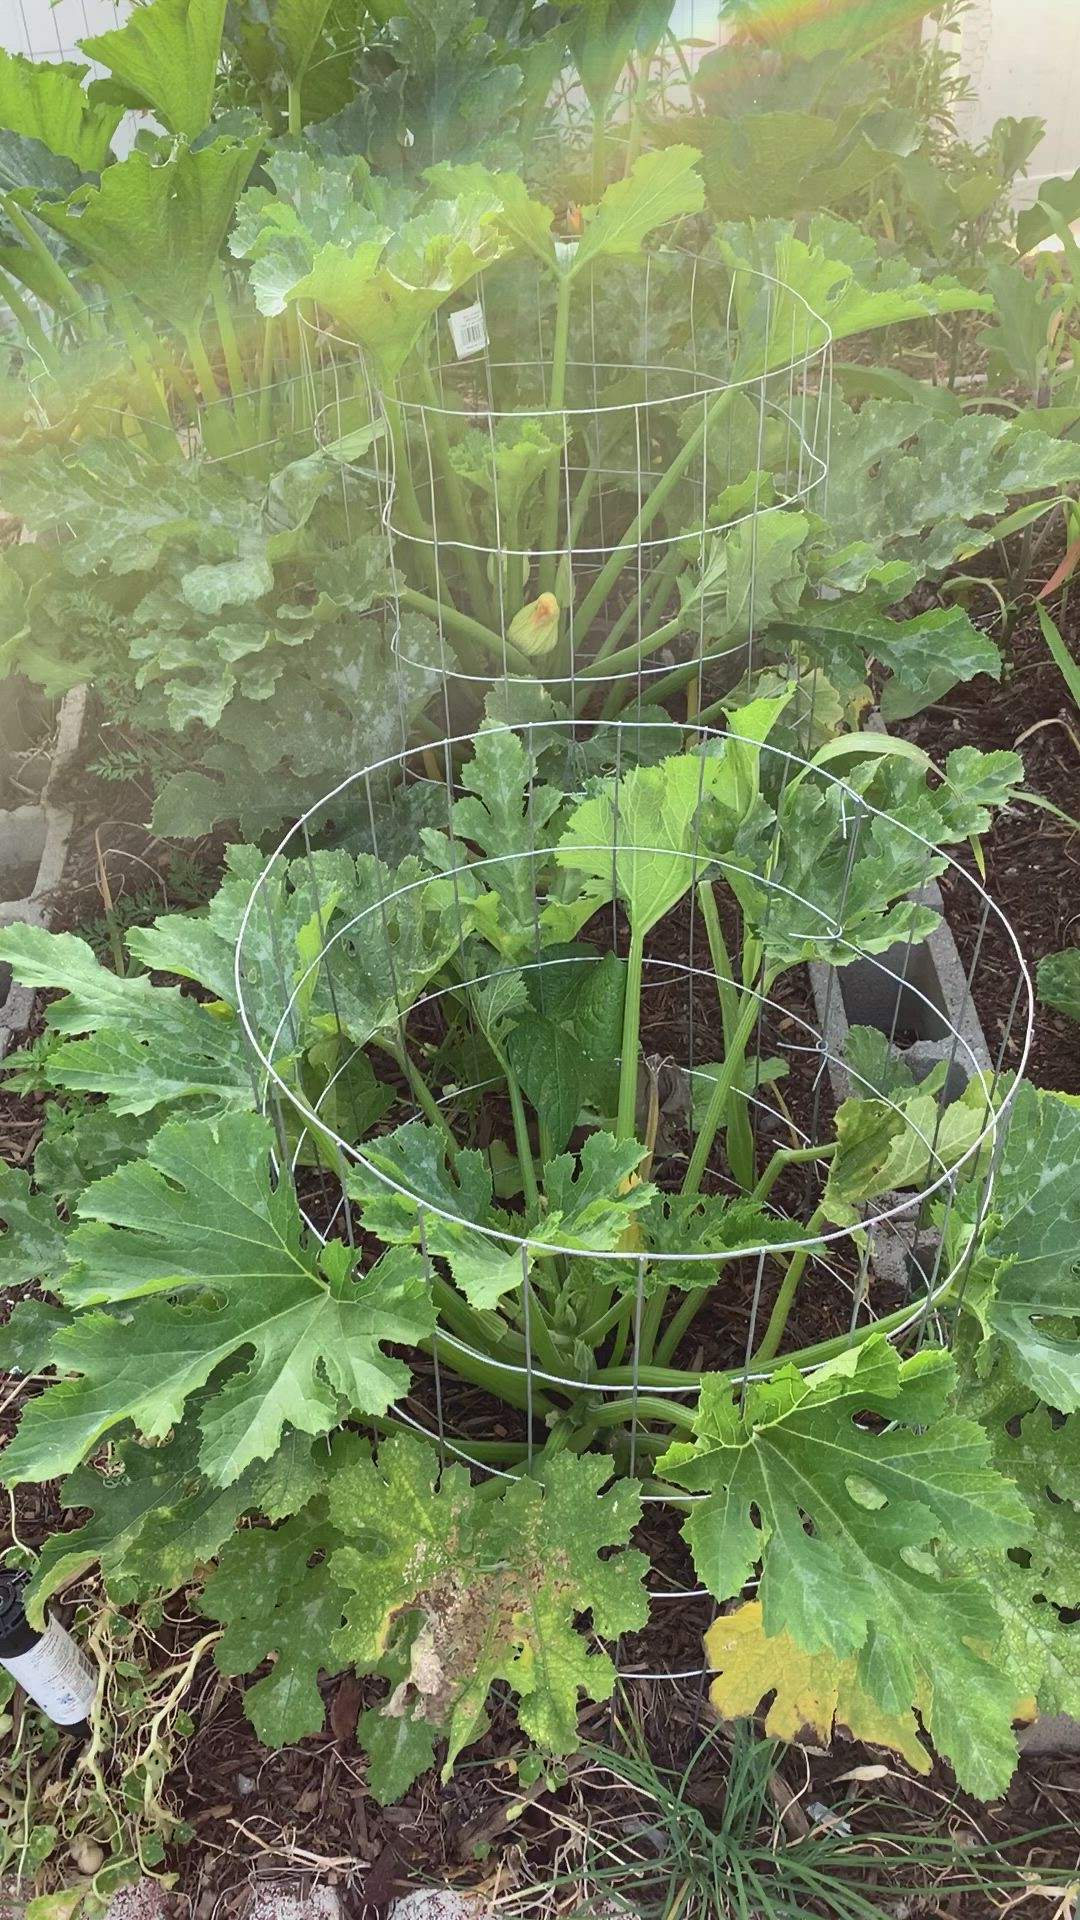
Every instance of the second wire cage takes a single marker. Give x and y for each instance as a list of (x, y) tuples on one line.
[(592, 511)]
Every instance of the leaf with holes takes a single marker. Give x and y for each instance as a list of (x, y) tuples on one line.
[(797, 1452), (1036, 1593), (155, 1517)]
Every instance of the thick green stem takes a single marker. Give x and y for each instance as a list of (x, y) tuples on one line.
[(718, 1099), (264, 429), (739, 1140), (474, 578), (419, 1089), (296, 110), (592, 1335), (785, 1299), (789, 1157), (58, 289), (498, 1452), (614, 1412), (649, 509), (468, 628), (598, 669), (243, 406), (599, 152), (142, 345), (681, 677), (626, 1125), (542, 1340), (474, 1327), (549, 534), (521, 1131), (680, 1323), (654, 1375), (34, 333), (200, 361), (497, 1380)]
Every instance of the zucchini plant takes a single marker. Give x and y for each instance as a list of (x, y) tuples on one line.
[(488, 1253)]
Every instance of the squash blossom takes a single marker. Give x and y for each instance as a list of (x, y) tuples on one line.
[(535, 628)]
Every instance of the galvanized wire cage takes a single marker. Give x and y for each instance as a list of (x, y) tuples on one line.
[(897, 1264), (632, 483)]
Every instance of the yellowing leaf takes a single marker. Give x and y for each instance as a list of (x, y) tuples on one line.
[(816, 1690)]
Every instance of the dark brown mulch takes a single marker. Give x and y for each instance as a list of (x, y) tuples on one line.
[(1032, 860)]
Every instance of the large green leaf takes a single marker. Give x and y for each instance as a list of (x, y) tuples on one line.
[(783, 163), (338, 700), (415, 1159), (843, 878), (835, 283), (797, 1451), (506, 814), (47, 101), (200, 1260), (127, 510), (925, 654), (311, 203), (644, 840), (1036, 1593), (589, 1204), (660, 187), (705, 1224), (155, 1517), (1030, 1250), (496, 1586), (148, 1045), (459, 85), (914, 483), (383, 297), (166, 55), (904, 1142), (157, 227), (551, 1071), (1057, 205), (295, 28)]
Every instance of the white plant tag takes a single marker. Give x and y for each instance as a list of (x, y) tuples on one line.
[(57, 1675), (468, 330)]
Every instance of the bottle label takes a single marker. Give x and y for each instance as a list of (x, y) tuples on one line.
[(57, 1675), (468, 331)]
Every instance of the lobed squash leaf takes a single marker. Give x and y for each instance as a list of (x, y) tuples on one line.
[(189, 1260), (796, 1452)]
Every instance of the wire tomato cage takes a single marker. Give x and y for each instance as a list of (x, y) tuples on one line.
[(346, 959), (639, 484)]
